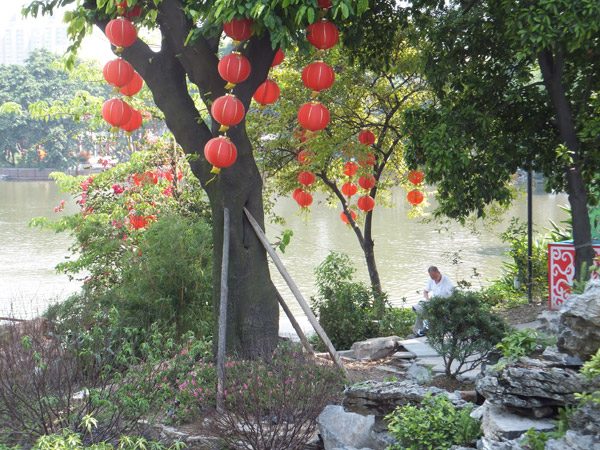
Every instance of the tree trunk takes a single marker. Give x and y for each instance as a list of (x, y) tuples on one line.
[(253, 311), (551, 66)]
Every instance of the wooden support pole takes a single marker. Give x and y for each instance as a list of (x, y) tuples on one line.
[(296, 325), (223, 312), (288, 279)]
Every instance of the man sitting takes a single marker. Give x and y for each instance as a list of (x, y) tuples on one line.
[(439, 285)]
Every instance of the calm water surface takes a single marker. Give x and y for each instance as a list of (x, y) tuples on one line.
[(404, 247)]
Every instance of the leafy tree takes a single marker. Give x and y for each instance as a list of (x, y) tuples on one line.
[(26, 129), (516, 86), (190, 33), (358, 100)]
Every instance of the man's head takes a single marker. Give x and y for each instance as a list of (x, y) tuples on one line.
[(435, 274)]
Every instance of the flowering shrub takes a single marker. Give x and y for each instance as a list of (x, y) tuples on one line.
[(273, 404)]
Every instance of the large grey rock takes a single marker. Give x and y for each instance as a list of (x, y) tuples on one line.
[(419, 373), (491, 444), (558, 359), (501, 425), (534, 388), (586, 419), (381, 398), (548, 322), (573, 440), (579, 323), (375, 348), (341, 429)]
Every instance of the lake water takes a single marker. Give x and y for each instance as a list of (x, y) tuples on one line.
[(404, 247)]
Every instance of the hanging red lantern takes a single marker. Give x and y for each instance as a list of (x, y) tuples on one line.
[(323, 34), (278, 59), (133, 87), (220, 152), (238, 29), (350, 168), (367, 181), (296, 192), (118, 72), (365, 203), (134, 13), (349, 189), (313, 116), (366, 137), (415, 176), (134, 122), (116, 112), (228, 110), (318, 76), (121, 33), (415, 197), (306, 178), (345, 218), (325, 4), (234, 68), (367, 160), (303, 198), (305, 157), (267, 93)]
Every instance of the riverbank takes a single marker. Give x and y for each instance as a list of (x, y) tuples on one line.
[(26, 174)]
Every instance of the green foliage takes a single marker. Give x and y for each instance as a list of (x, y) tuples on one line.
[(274, 402), (591, 372), (516, 236), (536, 440), (462, 330), (520, 343), (501, 295), (346, 309), (435, 424)]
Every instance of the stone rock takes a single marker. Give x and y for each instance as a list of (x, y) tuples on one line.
[(341, 429), (491, 444), (420, 374), (586, 419), (381, 398), (501, 425), (579, 323), (532, 389), (548, 322), (573, 440), (552, 355), (375, 348)]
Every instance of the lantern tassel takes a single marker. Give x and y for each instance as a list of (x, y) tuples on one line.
[(229, 85), (119, 50), (223, 128), (261, 106), (116, 89), (215, 170), (314, 94), (319, 53), (120, 10)]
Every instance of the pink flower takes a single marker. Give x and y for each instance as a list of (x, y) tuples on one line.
[(117, 189)]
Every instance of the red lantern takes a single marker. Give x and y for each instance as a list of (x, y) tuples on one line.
[(368, 160), (415, 197), (220, 152), (228, 110), (318, 76), (313, 116), (296, 192), (367, 181), (323, 34), (278, 59), (349, 189), (366, 203), (350, 168), (134, 122), (324, 4), (234, 68), (133, 13), (238, 29), (415, 176), (134, 86), (303, 198), (366, 137), (305, 157), (121, 33), (116, 112), (267, 93), (118, 72), (306, 178), (345, 219)]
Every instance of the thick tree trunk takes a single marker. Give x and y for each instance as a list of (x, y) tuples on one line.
[(253, 311), (551, 66)]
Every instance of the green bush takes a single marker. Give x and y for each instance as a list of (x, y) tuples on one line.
[(520, 343), (462, 330), (346, 309), (436, 424)]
